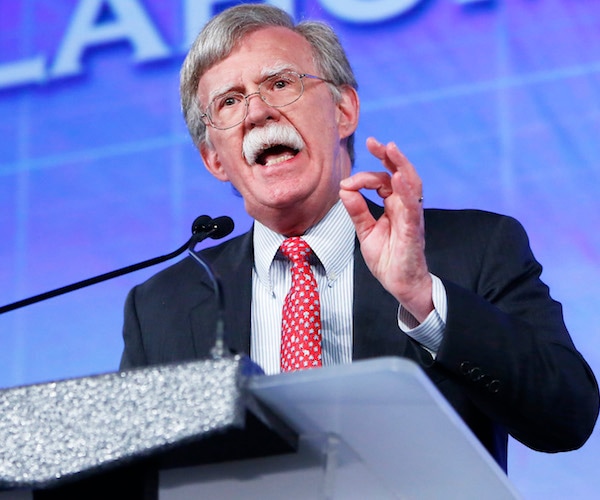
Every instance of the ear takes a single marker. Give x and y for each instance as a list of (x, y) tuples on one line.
[(348, 111), (212, 162)]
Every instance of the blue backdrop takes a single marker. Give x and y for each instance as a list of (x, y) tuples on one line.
[(497, 104)]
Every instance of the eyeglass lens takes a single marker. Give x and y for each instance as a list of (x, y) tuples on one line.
[(228, 110)]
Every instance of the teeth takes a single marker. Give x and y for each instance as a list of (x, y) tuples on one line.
[(278, 159)]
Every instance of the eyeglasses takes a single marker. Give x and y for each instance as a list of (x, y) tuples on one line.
[(230, 109)]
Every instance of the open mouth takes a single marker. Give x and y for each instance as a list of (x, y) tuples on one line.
[(275, 154), (271, 145)]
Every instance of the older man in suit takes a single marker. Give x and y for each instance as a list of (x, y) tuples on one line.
[(272, 108)]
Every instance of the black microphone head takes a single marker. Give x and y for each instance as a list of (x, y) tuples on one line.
[(204, 226), (201, 224), (223, 226)]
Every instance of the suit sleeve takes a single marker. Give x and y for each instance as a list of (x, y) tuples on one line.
[(506, 343)]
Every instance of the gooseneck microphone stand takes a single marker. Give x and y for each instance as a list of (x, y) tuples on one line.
[(202, 228)]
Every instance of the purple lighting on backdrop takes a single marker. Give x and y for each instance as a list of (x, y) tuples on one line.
[(497, 104)]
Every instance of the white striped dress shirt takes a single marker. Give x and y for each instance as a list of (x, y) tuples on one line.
[(332, 241)]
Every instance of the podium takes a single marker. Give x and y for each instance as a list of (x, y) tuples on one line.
[(216, 429)]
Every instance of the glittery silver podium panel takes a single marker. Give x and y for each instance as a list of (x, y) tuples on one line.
[(56, 430)]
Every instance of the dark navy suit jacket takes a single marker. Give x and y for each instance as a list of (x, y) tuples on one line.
[(507, 363)]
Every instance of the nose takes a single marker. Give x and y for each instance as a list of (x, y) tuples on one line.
[(258, 110)]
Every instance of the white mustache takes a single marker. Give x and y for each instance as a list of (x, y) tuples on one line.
[(257, 140)]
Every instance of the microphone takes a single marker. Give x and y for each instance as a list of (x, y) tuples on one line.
[(202, 228), (216, 228)]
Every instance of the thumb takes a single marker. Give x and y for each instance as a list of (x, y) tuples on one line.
[(359, 213)]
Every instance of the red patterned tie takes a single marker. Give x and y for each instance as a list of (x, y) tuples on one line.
[(301, 319)]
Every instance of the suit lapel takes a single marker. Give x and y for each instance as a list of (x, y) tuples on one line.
[(375, 311), (233, 268), (235, 272), (375, 324)]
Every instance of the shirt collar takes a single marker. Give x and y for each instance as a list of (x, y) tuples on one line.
[(331, 239)]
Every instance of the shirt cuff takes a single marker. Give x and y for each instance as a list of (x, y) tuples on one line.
[(430, 333)]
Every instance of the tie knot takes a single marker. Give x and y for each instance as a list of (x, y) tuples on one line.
[(296, 249)]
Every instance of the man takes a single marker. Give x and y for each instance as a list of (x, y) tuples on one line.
[(273, 107)]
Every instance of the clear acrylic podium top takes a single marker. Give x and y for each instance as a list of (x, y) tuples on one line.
[(371, 429)]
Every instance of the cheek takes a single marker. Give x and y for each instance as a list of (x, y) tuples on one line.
[(227, 151)]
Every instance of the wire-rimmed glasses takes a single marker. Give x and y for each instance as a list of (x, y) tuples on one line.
[(231, 108)]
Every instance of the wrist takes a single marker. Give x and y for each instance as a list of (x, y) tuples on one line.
[(419, 302)]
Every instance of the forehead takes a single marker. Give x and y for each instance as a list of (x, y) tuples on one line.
[(256, 56)]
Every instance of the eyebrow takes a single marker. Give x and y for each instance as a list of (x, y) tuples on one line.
[(264, 74), (223, 89), (278, 68)]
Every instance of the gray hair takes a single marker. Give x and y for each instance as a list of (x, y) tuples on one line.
[(221, 35)]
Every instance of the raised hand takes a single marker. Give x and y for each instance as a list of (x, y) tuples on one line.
[(393, 246)]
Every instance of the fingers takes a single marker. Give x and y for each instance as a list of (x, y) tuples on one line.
[(378, 181), (389, 154), (376, 148), (406, 180), (359, 212), (355, 204), (401, 191)]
